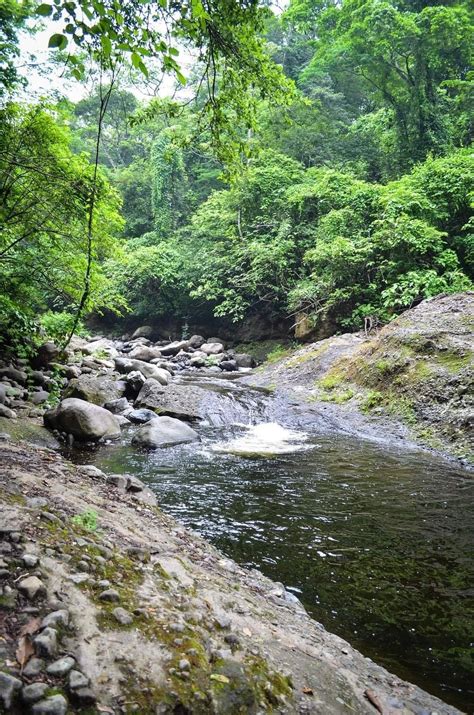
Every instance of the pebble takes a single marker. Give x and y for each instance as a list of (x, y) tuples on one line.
[(103, 583), (83, 565), (184, 664), (77, 680), (55, 705), (32, 587), (46, 643), (9, 687), (110, 595), (61, 667), (122, 616), (33, 667), (60, 617), (30, 560), (34, 692)]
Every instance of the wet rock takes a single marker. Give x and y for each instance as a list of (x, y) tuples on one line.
[(77, 680), (46, 643), (55, 705), (141, 416), (83, 420), (32, 588), (61, 667), (34, 692), (164, 432), (122, 616), (111, 596), (117, 406), (56, 618), (9, 689)]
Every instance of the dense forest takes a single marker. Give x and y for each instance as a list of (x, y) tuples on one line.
[(314, 172)]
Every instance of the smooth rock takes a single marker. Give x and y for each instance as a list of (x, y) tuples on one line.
[(83, 420), (37, 398), (34, 692), (34, 667), (212, 348), (98, 389), (111, 596), (164, 432), (61, 667), (141, 416), (174, 347), (32, 587), (55, 705), (145, 353), (30, 560), (55, 618), (7, 412), (117, 406)]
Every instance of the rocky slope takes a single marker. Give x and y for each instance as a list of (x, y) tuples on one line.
[(413, 379), (109, 606)]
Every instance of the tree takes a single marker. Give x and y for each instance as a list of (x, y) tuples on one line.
[(13, 14)]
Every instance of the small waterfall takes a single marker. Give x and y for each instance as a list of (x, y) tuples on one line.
[(266, 439)]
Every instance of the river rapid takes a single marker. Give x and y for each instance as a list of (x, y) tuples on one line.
[(375, 538)]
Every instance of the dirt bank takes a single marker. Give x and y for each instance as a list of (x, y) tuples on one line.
[(144, 616), (414, 379)]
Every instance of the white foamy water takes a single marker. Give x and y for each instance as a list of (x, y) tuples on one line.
[(266, 439)]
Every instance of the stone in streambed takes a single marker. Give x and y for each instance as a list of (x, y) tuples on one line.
[(141, 416), (83, 420), (164, 432)]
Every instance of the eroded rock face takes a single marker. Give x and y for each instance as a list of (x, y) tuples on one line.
[(83, 420), (98, 389), (163, 432)]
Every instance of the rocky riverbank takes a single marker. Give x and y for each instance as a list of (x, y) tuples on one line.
[(412, 380), (109, 606)]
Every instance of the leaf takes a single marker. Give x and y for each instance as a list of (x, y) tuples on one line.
[(220, 678), (25, 650), (31, 627), (57, 40), (106, 45), (44, 10), (181, 77)]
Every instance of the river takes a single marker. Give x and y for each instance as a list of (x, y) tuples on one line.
[(374, 538)]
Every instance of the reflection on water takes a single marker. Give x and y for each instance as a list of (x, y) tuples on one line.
[(376, 542)]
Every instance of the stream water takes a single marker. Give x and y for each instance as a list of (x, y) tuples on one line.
[(376, 540)]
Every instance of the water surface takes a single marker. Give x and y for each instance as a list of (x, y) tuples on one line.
[(375, 540)]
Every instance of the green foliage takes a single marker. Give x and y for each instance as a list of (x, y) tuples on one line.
[(13, 14), (87, 520), (57, 325)]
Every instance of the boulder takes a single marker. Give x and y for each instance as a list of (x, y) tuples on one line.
[(163, 432), (7, 412), (37, 398), (46, 354), (117, 406), (11, 373), (188, 402), (82, 419), (216, 340), (135, 382), (212, 348), (244, 360), (145, 353), (141, 416), (196, 341), (175, 347), (101, 345), (126, 365), (144, 331), (228, 365), (98, 389)]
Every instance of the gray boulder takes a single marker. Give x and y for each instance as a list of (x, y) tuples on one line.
[(102, 345), (117, 406), (189, 402), (11, 373), (135, 381), (7, 412), (37, 398), (212, 348), (97, 389), (141, 416), (82, 419), (163, 432), (144, 331), (196, 341), (126, 365), (145, 353), (228, 365), (244, 360), (175, 347)]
